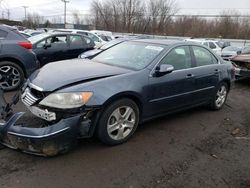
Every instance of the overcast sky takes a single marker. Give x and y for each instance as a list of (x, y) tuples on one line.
[(50, 8)]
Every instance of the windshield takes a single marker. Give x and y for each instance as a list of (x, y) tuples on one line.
[(110, 44), (131, 55), (37, 38), (246, 50)]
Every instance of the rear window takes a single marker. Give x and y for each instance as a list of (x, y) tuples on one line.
[(3, 34)]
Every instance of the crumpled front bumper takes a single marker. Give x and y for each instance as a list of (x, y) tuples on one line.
[(46, 141)]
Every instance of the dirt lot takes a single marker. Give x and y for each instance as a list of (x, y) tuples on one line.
[(197, 148)]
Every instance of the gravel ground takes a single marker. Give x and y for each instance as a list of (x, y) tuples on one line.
[(196, 148)]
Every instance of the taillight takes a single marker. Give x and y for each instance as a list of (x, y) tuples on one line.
[(26, 45)]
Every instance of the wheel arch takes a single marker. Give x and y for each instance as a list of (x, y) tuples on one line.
[(130, 95), (14, 60), (228, 82)]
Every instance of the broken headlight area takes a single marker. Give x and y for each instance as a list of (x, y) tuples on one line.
[(33, 135), (48, 134)]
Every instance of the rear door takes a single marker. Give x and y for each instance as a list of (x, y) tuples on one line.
[(76, 46), (173, 91), (207, 73)]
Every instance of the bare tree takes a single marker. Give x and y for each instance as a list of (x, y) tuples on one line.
[(160, 12), (77, 18), (157, 17), (33, 20), (56, 20)]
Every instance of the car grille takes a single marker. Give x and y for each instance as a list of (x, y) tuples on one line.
[(27, 97)]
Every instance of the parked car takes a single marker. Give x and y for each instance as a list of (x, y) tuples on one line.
[(26, 35), (105, 38), (242, 63), (111, 94), (17, 61), (97, 40), (92, 53), (229, 52), (105, 35), (216, 46), (33, 32), (50, 47)]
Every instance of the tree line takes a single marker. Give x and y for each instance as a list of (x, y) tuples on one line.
[(157, 17)]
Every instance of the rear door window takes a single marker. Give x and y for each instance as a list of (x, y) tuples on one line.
[(203, 56), (76, 41), (87, 40), (179, 58)]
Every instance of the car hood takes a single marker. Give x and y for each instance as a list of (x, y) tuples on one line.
[(242, 58), (69, 72), (231, 53)]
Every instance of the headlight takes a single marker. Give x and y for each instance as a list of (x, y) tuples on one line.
[(66, 100)]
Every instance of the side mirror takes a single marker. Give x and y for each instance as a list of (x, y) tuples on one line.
[(239, 52), (163, 69), (46, 45)]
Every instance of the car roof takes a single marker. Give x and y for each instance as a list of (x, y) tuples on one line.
[(201, 40), (71, 30), (61, 33), (165, 42)]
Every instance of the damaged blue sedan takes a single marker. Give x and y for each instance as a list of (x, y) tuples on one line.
[(112, 93)]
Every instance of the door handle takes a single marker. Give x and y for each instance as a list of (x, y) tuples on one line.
[(190, 76), (217, 71)]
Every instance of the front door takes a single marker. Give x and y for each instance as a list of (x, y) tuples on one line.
[(173, 90)]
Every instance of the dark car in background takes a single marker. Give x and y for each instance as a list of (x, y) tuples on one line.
[(92, 53), (17, 61), (50, 47), (111, 94)]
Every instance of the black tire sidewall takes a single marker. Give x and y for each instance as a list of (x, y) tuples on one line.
[(9, 63), (101, 129)]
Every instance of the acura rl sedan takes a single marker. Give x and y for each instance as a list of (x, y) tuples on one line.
[(112, 93)]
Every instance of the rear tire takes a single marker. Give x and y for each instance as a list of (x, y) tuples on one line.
[(11, 76), (220, 96), (118, 122)]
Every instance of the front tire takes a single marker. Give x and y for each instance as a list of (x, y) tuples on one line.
[(118, 122), (11, 76), (220, 96)]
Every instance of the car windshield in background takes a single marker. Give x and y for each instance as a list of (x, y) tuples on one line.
[(246, 50), (110, 44), (37, 38), (131, 55)]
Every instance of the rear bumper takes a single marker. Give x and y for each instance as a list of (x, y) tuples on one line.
[(47, 141)]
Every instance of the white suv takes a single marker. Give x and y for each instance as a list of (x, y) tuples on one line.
[(212, 44)]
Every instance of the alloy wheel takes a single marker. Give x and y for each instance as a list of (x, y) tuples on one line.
[(121, 122), (221, 96), (10, 77)]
